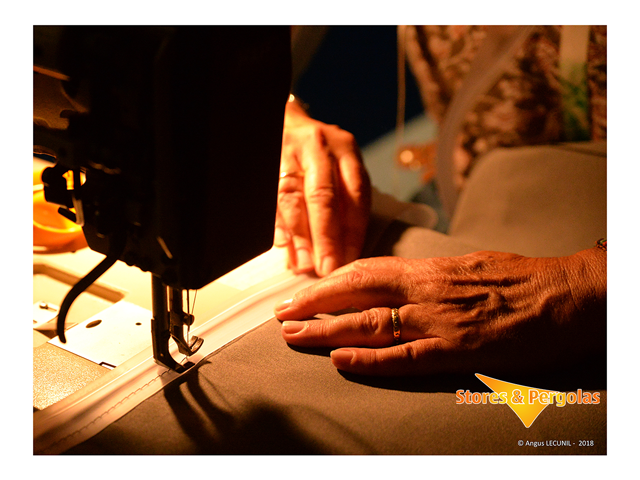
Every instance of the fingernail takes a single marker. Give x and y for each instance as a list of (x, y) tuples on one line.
[(283, 305), (292, 328), (280, 237), (341, 358), (303, 259)]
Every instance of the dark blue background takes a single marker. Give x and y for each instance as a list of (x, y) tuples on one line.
[(352, 81)]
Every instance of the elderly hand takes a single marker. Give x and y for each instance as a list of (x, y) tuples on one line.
[(482, 312), (324, 195)]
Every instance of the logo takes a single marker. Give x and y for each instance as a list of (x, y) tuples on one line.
[(526, 402)]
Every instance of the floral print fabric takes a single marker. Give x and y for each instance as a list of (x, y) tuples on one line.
[(524, 107)]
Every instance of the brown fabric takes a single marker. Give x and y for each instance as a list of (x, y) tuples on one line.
[(259, 396)]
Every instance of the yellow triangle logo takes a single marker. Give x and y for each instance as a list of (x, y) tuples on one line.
[(526, 402)]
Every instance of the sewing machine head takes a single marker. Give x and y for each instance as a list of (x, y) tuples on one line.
[(172, 138)]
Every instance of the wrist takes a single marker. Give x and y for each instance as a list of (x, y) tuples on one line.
[(591, 271), (586, 274)]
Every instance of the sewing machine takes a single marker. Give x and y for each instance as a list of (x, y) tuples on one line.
[(165, 144)]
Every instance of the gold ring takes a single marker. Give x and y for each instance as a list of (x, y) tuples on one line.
[(294, 173), (395, 320)]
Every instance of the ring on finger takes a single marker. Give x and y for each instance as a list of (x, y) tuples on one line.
[(395, 321)]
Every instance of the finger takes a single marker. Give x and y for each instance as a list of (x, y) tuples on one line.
[(420, 357), (355, 204), (292, 227), (281, 235), (321, 194), (371, 328), (363, 284), (299, 260)]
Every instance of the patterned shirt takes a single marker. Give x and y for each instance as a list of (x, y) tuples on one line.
[(524, 107)]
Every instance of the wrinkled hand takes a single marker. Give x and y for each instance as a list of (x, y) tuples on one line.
[(486, 311), (322, 213)]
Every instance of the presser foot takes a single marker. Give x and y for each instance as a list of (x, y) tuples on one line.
[(170, 323), (186, 347), (178, 321)]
